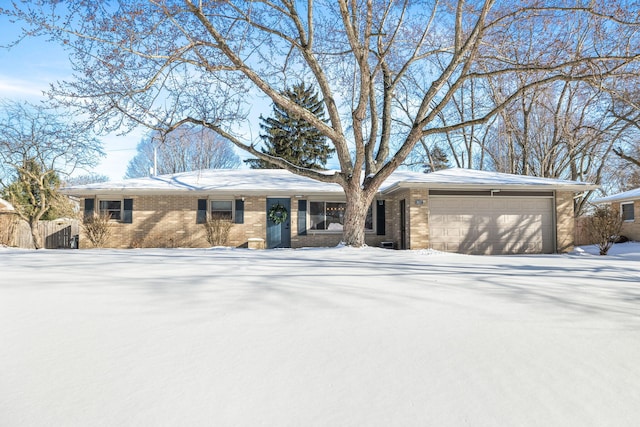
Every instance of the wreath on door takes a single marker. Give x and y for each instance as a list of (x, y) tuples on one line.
[(278, 213)]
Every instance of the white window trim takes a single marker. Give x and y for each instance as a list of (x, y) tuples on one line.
[(310, 230), (233, 206), (110, 199), (632, 209)]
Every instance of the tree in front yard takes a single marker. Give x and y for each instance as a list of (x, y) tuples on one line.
[(604, 227), (36, 146)]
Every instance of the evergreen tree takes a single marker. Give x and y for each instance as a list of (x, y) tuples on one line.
[(436, 160), (35, 197), (291, 137)]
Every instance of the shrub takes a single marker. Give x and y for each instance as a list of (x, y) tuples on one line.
[(97, 229), (604, 227), (218, 231)]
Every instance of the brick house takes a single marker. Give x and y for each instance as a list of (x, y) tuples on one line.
[(627, 203), (454, 210)]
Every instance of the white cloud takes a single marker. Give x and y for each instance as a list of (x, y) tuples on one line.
[(11, 87)]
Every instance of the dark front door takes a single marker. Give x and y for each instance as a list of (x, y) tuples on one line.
[(403, 224), (279, 235)]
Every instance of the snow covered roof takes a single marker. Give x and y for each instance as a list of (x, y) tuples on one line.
[(476, 179), (238, 181), (278, 181), (620, 197), (6, 206)]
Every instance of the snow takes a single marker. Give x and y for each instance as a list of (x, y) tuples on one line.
[(231, 180), (317, 337), (237, 181), (6, 206), (620, 197), (461, 176)]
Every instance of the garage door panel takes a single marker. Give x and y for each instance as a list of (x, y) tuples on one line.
[(491, 225)]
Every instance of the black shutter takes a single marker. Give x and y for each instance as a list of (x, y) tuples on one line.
[(239, 211), (380, 218), (127, 211), (302, 217), (89, 207), (201, 217)]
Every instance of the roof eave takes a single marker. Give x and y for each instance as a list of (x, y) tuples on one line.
[(606, 200), (498, 186), (84, 193)]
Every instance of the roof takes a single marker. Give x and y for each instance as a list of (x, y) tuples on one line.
[(6, 206), (457, 178), (620, 197), (278, 181)]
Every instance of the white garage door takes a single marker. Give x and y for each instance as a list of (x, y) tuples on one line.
[(491, 225)]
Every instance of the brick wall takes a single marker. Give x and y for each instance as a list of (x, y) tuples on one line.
[(416, 214), (565, 222), (631, 229), (170, 221)]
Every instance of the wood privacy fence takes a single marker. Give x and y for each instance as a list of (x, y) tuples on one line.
[(58, 234), (581, 236)]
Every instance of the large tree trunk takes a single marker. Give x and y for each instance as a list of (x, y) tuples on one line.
[(35, 235), (358, 202)]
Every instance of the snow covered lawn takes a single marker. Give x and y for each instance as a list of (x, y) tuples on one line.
[(318, 337)]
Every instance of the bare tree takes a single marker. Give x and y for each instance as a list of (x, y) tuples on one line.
[(625, 106), (556, 131), (386, 69), (187, 148), (37, 145)]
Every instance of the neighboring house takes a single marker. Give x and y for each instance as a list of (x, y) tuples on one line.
[(454, 210), (6, 207), (628, 204)]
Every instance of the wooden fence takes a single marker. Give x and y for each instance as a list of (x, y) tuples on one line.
[(58, 234), (581, 236)]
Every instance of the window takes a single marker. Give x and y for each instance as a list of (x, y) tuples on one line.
[(222, 209), (627, 211), (113, 208), (330, 216)]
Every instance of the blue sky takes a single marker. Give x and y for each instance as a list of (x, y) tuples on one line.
[(27, 69)]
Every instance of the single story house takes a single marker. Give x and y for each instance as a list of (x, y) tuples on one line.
[(454, 210), (627, 203)]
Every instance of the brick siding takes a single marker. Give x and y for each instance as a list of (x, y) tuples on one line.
[(565, 222), (631, 229), (170, 221)]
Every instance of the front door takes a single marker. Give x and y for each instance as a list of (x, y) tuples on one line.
[(279, 231)]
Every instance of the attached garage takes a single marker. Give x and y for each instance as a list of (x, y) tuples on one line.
[(484, 213), (482, 223)]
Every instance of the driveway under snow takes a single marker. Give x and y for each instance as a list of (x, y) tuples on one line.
[(318, 337)]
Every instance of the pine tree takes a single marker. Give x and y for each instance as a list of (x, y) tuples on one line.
[(291, 137), (436, 160)]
